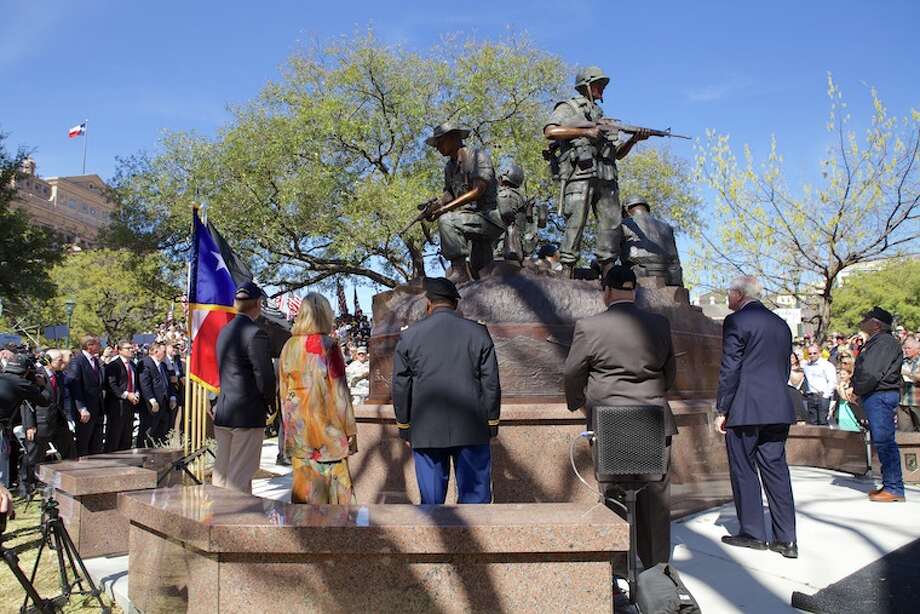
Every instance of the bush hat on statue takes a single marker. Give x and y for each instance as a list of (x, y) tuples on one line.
[(443, 130)]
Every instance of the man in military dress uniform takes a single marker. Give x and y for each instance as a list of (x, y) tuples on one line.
[(512, 207), (467, 213), (585, 161), (447, 398), (648, 244)]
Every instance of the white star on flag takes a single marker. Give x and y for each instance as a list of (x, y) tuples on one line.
[(220, 262)]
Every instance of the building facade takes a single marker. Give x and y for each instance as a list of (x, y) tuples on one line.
[(74, 207)]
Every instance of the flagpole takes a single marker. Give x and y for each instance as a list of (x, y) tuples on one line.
[(189, 382), (85, 137)]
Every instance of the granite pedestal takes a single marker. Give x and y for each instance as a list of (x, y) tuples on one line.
[(207, 549), (87, 493), (909, 446)]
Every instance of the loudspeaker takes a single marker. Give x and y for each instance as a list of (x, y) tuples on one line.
[(629, 443)]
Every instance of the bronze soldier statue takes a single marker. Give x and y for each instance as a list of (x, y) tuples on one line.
[(518, 213), (648, 244), (468, 219), (583, 158)]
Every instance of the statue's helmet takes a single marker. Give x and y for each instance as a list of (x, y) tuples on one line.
[(588, 75), (513, 174), (636, 201)]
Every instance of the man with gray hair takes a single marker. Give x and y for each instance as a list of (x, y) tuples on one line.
[(755, 414)]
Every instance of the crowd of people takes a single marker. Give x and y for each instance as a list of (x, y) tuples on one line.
[(90, 400), (821, 381)]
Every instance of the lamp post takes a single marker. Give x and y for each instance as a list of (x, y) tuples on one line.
[(69, 305)]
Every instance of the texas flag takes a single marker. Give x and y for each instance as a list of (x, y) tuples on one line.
[(210, 303), (77, 130)]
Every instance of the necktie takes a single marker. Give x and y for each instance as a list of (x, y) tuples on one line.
[(130, 377)]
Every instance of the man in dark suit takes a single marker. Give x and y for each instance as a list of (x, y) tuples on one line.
[(86, 377), (247, 390), (622, 357), (447, 398), (124, 395), (48, 425), (159, 397), (755, 414)]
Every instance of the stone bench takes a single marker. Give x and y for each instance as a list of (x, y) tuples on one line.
[(207, 549), (87, 493)]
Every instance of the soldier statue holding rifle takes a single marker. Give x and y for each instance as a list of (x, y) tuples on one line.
[(467, 213), (583, 155)]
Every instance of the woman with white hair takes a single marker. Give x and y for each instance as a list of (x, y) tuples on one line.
[(319, 422)]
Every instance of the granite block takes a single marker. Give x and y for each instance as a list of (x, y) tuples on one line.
[(209, 549), (530, 456), (397, 584), (164, 573), (909, 447)]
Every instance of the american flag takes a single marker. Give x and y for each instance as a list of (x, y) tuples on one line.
[(340, 293), (293, 306)]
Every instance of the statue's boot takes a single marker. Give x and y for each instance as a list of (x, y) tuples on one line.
[(459, 271)]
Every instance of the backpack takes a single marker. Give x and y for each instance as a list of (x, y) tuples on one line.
[(660, 591)]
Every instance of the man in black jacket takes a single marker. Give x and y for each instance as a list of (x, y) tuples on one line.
[(124, 395), (447, 398), (45, 425), (86, 376), (159, 397), (877, 381), (247, 390)]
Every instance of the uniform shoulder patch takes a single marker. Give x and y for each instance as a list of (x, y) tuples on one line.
[(482, 322), (402, 328)]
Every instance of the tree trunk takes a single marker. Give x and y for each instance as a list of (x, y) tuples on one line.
[(418, 260)]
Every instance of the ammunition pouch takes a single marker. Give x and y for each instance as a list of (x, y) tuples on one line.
[(584, 152), (552, 154)]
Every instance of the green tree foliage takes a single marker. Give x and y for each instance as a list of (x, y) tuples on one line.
[(895, 288), (867, 205), (27, 252), (108, 289), (315, 177)]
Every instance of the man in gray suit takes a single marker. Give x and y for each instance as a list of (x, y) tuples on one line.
[(621, 357), (247, 390)]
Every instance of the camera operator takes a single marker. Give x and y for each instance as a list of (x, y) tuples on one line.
[(47, 425), (19, 382)]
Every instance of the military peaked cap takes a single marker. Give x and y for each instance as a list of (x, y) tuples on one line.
[(620, 277), (440, 288), (248, 291)]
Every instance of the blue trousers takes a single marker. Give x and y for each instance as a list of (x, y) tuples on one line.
[(881, 409), (761, 449), (472, 466)]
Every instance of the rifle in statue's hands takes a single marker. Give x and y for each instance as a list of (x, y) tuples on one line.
[(426, 212), (613, 126)]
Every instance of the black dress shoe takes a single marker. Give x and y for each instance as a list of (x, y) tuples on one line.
[(744, 541), (790, 550)]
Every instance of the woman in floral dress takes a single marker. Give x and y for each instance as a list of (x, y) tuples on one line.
[(319, 422)]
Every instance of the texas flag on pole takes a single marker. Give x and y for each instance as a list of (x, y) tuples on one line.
[(77, 130), (211, 292)]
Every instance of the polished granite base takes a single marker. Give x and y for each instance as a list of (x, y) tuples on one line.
[(207, 549), (530, 457), (87, 493), (909, 446)]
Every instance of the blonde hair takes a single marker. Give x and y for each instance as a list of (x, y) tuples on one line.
[(315, 316)]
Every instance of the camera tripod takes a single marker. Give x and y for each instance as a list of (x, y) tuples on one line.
[(72, 572)]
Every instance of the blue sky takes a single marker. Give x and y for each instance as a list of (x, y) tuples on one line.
[(749, 69)]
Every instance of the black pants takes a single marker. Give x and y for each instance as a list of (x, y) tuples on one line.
[(37, 450), (653, 518), (89, 435), (119, 424), (154, 427), (817, 407), (757, 454)]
